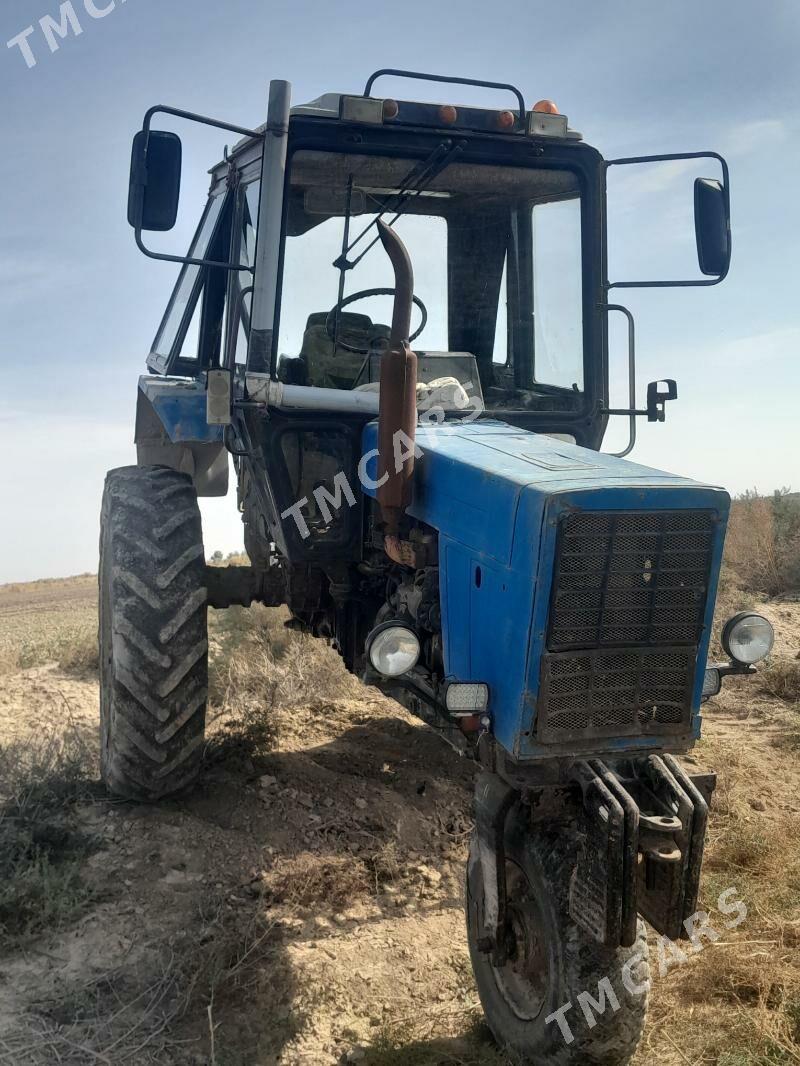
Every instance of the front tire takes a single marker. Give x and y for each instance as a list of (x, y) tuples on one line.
[(554, 961), (153, 633)]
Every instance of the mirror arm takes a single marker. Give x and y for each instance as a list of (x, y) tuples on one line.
[(185, 260), (161, 109), (670, 157)]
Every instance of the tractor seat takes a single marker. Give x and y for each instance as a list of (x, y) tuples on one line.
[(330, 367)]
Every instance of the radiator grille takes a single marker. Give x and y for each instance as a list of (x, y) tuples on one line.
[(618, 692), (630, 578), (626, 618)]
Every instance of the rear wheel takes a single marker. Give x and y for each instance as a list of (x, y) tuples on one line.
[(554, 964), (153, 635)]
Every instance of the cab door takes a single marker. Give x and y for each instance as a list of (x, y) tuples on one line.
[(189, 339)]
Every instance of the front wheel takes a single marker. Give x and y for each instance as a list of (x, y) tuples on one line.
[(561, 997), (153, 639)]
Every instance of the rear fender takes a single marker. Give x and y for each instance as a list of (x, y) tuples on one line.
[(172, 430)]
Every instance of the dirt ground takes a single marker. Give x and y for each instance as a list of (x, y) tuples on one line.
[(303, 905)]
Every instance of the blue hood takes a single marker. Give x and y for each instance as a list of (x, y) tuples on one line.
[(495, 494)]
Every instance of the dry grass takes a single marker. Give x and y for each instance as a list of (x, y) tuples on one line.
[(310, 880), (9, 660), (780, 678), (738, 1001), (65, 635), (255, 665), (49, 622), (405, 1044), (47, 585), (335, 882), (41, 850), (70, 644), (75, 651), (140, 1017)]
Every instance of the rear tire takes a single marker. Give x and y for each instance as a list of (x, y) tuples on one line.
[(555, 962), (153, 633)]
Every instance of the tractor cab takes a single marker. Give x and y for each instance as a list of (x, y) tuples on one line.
[(286, 288), (499, 211)]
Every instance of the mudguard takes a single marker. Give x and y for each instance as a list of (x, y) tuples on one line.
[(172, 430)]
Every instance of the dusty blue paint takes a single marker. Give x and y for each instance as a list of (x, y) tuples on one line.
[(181, 407), (494, 493)]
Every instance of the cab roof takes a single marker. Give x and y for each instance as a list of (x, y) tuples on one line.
[(330, 106)]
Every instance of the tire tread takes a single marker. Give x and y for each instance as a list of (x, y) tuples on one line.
[(154, 642)]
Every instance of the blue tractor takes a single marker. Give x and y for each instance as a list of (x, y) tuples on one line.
[(434, 503)]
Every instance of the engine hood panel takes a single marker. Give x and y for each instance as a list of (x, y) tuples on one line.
[(471, 478)]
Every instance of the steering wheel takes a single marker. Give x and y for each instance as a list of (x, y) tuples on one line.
[(363, 294)]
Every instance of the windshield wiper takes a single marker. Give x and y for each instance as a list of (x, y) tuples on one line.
[(413, 184)]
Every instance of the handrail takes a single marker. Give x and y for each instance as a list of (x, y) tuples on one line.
[(419, 76)]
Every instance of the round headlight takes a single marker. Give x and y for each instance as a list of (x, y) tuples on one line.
[(748, 638), (393, 649)]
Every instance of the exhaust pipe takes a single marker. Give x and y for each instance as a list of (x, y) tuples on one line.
[(397, 412)]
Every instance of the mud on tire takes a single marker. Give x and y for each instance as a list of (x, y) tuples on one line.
[(153, 635), (571, 963)]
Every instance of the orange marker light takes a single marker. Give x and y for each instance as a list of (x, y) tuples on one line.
[(448, 114), (547, 106), (469, 723), (506, 119), (391, 108)]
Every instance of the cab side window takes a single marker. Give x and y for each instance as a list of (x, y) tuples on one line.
[(176, 346), (558, 293), (244, 252)]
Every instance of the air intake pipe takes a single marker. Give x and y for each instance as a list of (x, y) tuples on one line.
[(397, 412)]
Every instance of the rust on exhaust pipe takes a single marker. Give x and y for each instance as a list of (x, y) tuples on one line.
[(397, 412)]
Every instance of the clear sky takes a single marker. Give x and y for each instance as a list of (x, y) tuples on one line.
[(79, 304)]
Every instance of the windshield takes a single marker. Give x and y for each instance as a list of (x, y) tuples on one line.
[(497, 261)]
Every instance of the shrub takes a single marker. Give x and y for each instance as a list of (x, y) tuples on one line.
[(762, 552)]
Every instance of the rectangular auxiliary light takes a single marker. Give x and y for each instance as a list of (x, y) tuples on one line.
[(361, 109), (466, 697), (712, 682), (543, 124), (218, 398)]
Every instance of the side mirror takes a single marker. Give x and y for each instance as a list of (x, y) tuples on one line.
[(155, 181), (712, 227), (646, 191), (656, 398)]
